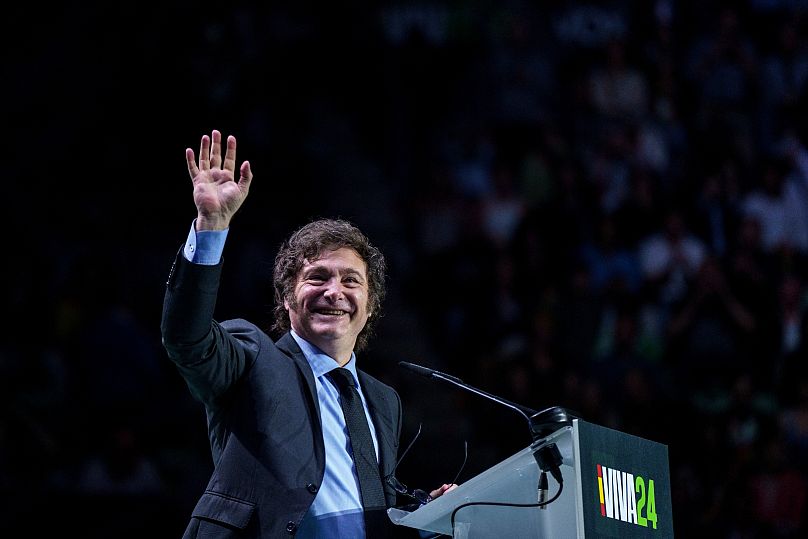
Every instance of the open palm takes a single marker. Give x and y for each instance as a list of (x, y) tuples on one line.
[(216, 193)]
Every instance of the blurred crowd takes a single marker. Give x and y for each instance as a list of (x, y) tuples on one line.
[(596, 205)]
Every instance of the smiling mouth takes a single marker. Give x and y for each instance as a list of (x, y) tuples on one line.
[(330, 312)]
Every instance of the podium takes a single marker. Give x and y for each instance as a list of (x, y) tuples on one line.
[(615, 485)]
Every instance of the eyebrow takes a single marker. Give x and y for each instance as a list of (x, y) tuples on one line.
[(351, 271), (314, 268)]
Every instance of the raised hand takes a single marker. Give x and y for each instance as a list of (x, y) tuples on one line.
[(216, 193)]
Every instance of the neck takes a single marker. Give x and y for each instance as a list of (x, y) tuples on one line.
[(339, 352), (342, 357)]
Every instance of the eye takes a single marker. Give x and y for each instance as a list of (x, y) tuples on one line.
[(352, 280), (316, 278)]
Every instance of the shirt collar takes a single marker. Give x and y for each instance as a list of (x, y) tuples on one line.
[(320, 362)]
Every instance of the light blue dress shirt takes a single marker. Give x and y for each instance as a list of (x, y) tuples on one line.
[(337, 509)]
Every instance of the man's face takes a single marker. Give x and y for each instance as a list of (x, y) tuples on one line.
[(330, 304)]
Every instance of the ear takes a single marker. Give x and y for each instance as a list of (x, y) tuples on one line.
[(286, 304)]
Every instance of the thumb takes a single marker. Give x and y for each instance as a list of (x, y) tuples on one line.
[(245, 176)]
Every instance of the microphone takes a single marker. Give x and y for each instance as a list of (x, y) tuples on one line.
[(540, 423), (437, 375)]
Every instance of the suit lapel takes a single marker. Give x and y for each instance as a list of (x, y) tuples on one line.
[(288, 345), (381, 412)]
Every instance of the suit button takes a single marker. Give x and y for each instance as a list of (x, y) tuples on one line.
[(311, 487), (291, 527)]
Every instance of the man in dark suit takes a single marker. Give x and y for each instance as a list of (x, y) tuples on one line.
[(287, 460)]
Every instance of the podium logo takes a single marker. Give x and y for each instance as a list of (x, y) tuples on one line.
[(626, 497)]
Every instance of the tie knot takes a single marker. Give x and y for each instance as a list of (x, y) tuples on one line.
[(343, 378)]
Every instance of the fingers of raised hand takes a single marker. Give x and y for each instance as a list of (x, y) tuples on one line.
[(230, 154), (216, 149), (210, 158), (204, 153), (193, 170)]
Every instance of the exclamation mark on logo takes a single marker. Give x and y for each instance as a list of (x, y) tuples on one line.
[(600, 491)]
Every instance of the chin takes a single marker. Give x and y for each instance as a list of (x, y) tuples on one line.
[(329, 333)]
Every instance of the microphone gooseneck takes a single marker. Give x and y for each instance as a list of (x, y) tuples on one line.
[(437, 375), (540, 424)]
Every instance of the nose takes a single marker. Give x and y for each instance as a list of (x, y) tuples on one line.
[(333, 291)]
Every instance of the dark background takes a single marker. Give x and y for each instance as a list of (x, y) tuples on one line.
[(521, 164)]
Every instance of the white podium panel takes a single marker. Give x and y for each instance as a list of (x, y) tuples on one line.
[(615, 485)]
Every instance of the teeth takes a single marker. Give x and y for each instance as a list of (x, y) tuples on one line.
[(331, 312)]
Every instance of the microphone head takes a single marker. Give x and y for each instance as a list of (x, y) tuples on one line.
[(417, 369), (548, 421)]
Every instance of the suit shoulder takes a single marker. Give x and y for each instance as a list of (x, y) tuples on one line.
[(247, 332), (371, 381), (236, 324)]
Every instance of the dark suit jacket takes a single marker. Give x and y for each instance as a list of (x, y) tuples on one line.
[(262, 411)]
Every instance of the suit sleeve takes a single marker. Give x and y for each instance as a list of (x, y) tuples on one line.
[(208, 357)]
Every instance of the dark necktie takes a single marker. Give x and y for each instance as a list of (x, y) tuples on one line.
[(364, 454)]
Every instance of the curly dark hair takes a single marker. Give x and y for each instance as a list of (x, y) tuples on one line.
[(309, 243)]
